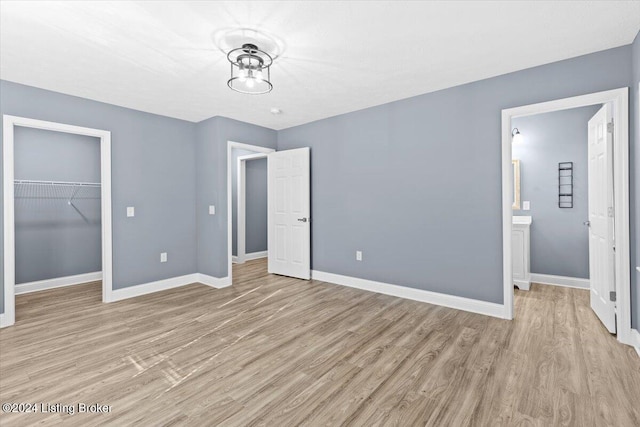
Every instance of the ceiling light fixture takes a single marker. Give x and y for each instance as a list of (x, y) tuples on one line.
[(516, 136), (250, 70)]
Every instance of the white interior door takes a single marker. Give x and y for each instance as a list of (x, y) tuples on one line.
[(601, 232), (289, 237)]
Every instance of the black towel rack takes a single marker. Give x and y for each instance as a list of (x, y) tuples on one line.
[(565, 185)]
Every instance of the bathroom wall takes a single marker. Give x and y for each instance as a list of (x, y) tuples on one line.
[(559, 239)]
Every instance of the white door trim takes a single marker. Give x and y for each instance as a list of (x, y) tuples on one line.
[(620, 100), (230, 146), (241, 203), (9, 122)]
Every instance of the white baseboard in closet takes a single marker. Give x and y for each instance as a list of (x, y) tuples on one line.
[(59, 282)]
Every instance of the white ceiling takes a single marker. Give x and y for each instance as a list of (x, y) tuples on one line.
[(338, 57)]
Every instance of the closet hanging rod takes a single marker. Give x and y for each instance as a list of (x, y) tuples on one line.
[(57, 183)]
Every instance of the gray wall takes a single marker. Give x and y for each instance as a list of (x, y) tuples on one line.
[(153, 161), (256, 203), (559, 239), (211, 158), (52, 239), (424, 205), (635, 183)]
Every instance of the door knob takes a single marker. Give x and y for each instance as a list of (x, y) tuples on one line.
[(587, 223), (302, 219)]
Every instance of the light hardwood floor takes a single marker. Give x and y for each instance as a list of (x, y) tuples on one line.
[(276, 351)]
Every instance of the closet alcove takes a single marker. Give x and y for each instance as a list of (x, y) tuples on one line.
[(57, 200)]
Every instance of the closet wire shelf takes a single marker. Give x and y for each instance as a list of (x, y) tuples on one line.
[(30, 189)]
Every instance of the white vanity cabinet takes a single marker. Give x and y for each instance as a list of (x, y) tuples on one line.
[(520, 248)]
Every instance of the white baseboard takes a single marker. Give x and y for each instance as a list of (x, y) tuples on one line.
[(523, 285), (250, 256), (215, 282), (567, 282), (151, 287), (58, 282), (132, 291), (451, 301), (4, 322), (635, 340), (163, 285), (255, 255)]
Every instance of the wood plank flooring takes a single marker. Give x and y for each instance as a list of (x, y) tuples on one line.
[(275, 351)]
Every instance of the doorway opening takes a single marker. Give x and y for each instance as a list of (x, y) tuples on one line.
[(52, 209), (250, 215), (247, 214), (618, 186)]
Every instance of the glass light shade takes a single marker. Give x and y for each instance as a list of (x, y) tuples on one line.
[(517, 137), (250, 70)]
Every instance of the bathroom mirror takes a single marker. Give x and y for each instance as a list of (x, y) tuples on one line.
[(515, 178)]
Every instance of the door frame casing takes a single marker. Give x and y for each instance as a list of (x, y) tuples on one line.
[(230, 146), (9, 123), (241, 204), (620, 100)]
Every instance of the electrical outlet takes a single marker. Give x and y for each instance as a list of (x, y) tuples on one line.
[(358, 255), (163, 257), (212, 210), (526, 205), (131, 211)]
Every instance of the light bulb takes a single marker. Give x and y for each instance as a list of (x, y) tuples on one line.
[(242, 74), (517, 137), (258, 75)]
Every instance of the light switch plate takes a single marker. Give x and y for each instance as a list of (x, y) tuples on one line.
[(358, 255), (526, 205), (212, 210), (131, 211), (163, 257)]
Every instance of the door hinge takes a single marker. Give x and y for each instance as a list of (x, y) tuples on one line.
[(610, 127), (612, 296), (610, 212)]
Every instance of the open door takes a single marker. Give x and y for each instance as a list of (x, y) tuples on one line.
[(289, 236), (601, 219)]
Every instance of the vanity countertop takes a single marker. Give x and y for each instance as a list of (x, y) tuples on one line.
[(523, 220)]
